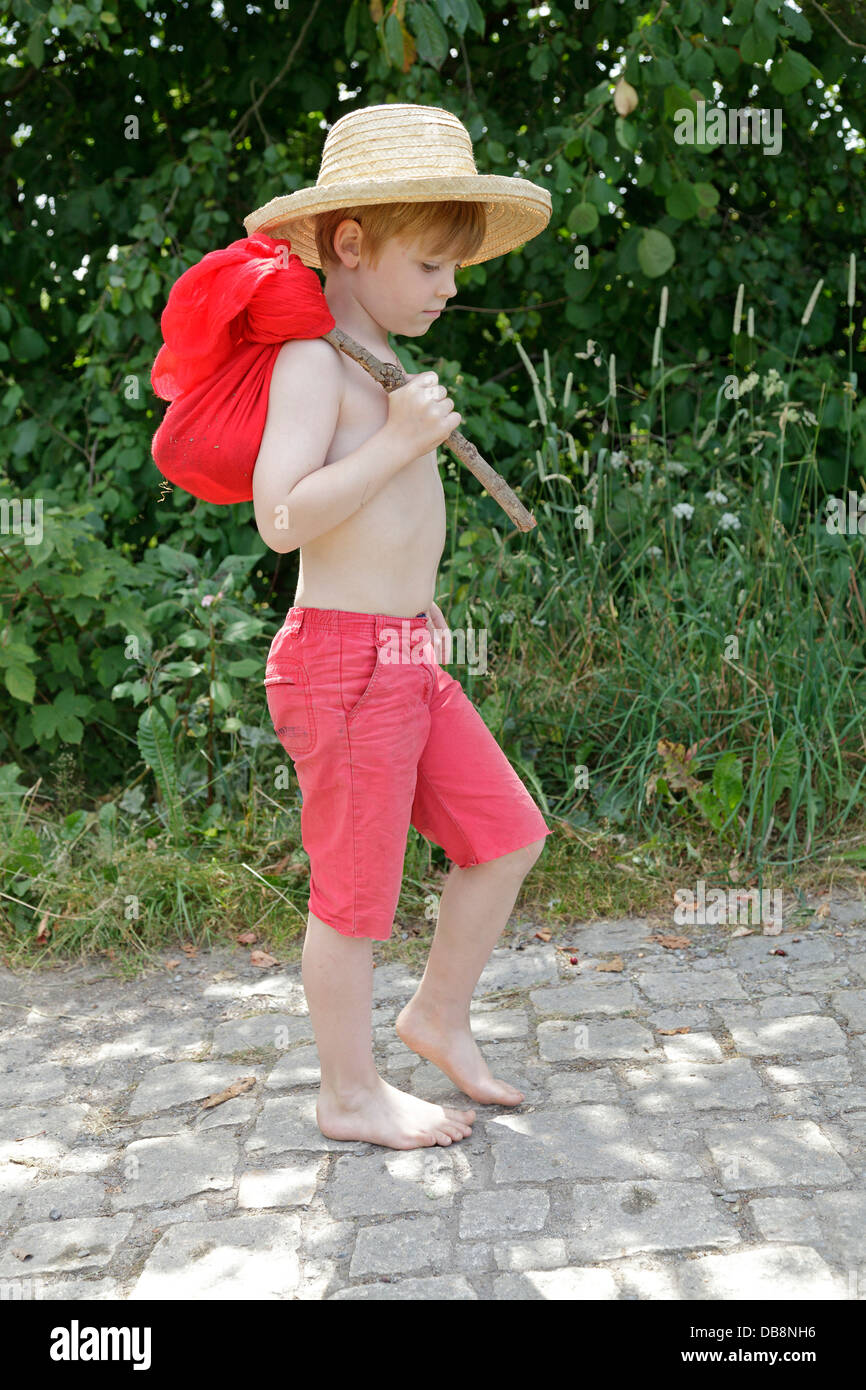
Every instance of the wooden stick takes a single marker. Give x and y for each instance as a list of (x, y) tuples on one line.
[(391, 377)]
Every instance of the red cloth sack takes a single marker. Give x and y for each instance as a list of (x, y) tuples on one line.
[(224, 323)]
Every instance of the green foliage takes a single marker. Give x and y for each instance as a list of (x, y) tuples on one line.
[(136, 148)]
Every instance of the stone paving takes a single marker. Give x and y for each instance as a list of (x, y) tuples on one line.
[(723, 1162)]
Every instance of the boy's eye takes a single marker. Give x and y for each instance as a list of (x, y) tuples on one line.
[(431, 267)]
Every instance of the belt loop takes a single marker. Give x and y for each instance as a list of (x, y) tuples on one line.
[(296, 621)]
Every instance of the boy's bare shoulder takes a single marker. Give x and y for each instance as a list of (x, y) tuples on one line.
[(306, 361)]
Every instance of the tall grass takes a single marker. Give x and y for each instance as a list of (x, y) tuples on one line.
[(680, 643)]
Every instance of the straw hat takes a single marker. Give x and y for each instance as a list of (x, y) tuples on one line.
[(401, 153)]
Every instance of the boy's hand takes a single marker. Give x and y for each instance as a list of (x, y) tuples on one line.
[(421, 414), (438, 628)]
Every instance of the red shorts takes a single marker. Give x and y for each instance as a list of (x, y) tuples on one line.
[(382, 738)]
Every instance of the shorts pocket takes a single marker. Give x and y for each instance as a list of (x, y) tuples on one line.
[(290, 705), (360, 672)]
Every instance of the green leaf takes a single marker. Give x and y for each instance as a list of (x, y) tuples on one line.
[(728, 781), (706, 802), (36, 48), (754, 47), (221, 695), (784, 767), (350, 29), (20, 682), (25, 437), (476, 17), (431, 39), (791, 72), (727, 60), (655, 253), (699, 65), (27, 344), (583, 218), (394, 39), (676, 99), (707, 195), (157, 750), (797, 23), (626, 133), (460, 14), (682, 201)]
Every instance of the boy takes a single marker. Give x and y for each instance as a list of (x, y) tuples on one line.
[(348, 475)]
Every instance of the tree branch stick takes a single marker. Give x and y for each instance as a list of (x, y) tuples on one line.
[(391, 377)]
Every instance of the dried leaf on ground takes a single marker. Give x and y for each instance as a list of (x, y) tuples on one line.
[(614, 964), (669, 1032), (172, 964), (743, 931), (262, 959), (544, 933), (237, 1088), (672, 943), (246, 938)]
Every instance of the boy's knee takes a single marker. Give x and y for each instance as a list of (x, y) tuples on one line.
[(524, 858)]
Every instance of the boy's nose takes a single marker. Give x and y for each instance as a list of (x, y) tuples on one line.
[(449, 289)]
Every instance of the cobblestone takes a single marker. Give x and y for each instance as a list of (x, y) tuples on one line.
[(726, 1161)]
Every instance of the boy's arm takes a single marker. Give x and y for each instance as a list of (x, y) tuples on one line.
[(295, 498)]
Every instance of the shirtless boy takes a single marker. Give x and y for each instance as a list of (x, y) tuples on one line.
[(348, 475)]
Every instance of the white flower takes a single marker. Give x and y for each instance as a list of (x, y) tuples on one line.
[(507, 616), (655, 551), (773, 384), (539, 622), (677, 469), (616, 458), (728, 520), (717, 498), (684, 509), (643, 465)]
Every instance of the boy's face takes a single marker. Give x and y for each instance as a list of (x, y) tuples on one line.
[(405, 291)]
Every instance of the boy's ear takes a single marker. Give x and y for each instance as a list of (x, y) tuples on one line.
[(348, 241)]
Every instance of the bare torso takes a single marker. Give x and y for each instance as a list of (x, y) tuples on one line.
[(383, 558)]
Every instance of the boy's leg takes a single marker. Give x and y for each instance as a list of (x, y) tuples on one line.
[(355, 1102), (470, 801), (475, 906)]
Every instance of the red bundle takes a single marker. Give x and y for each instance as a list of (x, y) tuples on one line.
[(224, 323)]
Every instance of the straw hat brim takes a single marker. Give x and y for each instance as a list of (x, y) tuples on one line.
[(517, 210)]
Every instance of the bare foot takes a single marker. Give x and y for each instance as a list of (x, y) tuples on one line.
[(454, 1051), (393, 1118)]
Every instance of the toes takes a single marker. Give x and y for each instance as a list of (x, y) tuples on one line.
[(442, 1137), (463, 1116)]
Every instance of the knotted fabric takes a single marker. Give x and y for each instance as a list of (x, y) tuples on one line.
[(224, 323)]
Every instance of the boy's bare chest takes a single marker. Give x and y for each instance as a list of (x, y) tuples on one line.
[(363, 412)]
